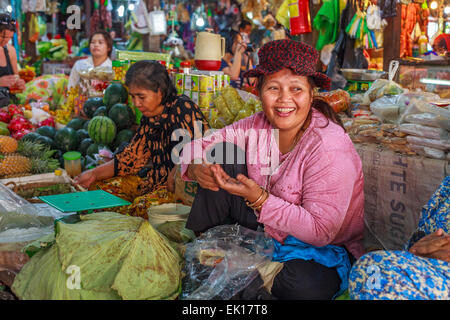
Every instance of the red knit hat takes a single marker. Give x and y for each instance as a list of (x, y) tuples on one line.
[(300, 57)]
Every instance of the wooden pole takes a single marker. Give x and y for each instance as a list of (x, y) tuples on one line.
[(88, 12), (391, 41)]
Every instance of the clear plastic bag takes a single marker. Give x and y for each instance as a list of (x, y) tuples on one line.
[(339, 100), (20, 221), (425, 119), (427, 151), (431, 143), (416, 106), (380, 88), (386, 108), (223, 261), (424, 131)]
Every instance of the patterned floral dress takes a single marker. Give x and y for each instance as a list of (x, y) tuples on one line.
[(401, 275), (142, 166)]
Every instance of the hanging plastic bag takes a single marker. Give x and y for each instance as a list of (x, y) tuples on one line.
[(223, 261), (382, 87), (373, 17)]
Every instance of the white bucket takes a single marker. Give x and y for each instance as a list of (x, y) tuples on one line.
[(167, 212)]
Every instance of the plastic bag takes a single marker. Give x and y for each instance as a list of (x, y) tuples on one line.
[(20, 221), (380, 88), (222, 261), (224, 111), (233, 99), (431, 143), (426, 119), (339, 100), (386, 108), (441, 115), (427, 151), (424, 131)]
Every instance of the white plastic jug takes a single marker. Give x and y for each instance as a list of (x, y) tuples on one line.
[(209, 50)]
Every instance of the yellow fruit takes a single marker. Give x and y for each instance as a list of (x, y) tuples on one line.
[(14, 164), (8, 144)]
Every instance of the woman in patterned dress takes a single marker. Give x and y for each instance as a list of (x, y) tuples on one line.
[(147, 162), (421, 271)]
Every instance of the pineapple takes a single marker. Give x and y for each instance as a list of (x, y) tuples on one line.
[(8, 144), (14, 164), (41, 156)]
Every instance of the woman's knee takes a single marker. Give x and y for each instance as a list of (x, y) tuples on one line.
[(306, 280)]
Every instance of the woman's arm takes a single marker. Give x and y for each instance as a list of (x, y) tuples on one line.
[(329, 182), (102, 172), (13, 59), (235, 69)]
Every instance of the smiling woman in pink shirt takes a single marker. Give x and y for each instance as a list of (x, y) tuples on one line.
[(299, 176)]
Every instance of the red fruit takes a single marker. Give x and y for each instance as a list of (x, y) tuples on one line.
[(13, 110), (5, 116), (19, 134), (47, 122), (19, 123)]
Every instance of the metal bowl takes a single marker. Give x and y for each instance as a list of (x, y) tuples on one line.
[(362, 74)]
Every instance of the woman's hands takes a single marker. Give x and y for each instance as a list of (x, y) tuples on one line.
[(213, 177), (203, 174), (435, 245), (9, 80), (86, 178), (20, 84)]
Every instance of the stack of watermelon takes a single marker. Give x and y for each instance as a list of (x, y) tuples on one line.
[(108, 125)]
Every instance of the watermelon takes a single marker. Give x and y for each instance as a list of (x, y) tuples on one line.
[(86, 124), (123, 136), (91, 105), (47, 131), (84, 145), (45, 141), (82, 134), (102, 130), (115, 93), (101, 111), (66, 139), (93, 149), (31, 136), (76, 123), (122, 115)]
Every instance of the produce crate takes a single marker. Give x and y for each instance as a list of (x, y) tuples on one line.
[(31, 187)]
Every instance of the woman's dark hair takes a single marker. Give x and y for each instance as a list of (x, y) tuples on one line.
[(318, 104), (230, 36), (243, 24), (107, 37), (7, 23), (151, 75)]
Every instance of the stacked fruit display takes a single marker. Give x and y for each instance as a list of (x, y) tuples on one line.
[(106, 125), (23, 157)]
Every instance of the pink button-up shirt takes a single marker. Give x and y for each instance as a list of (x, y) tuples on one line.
[(316, 190)]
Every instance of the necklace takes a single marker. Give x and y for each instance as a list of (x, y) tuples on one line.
[(296, 140), (301, 131)]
